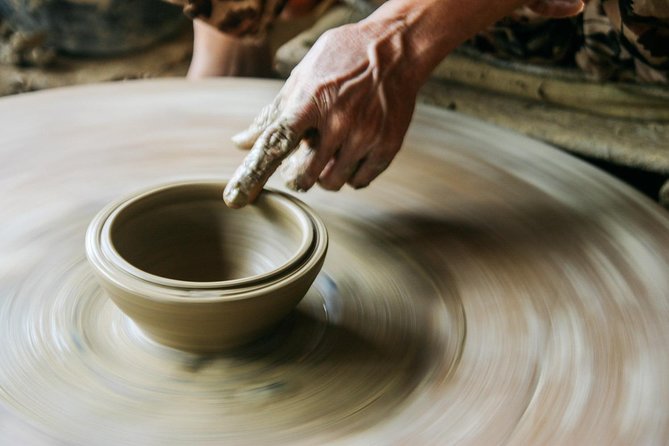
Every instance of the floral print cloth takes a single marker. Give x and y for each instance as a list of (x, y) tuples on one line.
[(620, 40)]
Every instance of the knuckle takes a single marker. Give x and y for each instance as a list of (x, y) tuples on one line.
[(279, 142)]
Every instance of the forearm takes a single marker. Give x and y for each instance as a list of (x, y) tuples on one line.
[(431, 29)]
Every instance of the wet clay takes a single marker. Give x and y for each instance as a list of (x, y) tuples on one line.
[(486, 289), (197, 276)]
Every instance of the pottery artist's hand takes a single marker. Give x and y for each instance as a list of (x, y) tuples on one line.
[(348, 104)]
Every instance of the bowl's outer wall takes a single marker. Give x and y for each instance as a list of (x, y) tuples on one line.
[(221, 324)]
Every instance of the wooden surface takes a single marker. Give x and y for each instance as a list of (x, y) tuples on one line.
[(487, 289)]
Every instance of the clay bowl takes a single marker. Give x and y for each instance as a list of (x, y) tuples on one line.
[(198, 276)]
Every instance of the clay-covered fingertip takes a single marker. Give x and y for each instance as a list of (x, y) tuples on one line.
[(234, 198)]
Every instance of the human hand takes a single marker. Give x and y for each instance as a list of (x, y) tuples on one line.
[(347, 106)]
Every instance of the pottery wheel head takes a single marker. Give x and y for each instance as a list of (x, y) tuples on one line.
[(486, 289)]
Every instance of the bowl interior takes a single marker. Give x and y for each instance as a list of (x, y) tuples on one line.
[(187, 233)]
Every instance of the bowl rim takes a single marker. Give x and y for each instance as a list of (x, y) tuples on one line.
[(113, 255), (124, 275)]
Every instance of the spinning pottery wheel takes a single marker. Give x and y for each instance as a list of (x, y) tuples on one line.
[(486, 289)]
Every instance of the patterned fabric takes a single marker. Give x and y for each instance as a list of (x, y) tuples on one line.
[(239, 18), (621, 40), (528, 37), (626, 40)]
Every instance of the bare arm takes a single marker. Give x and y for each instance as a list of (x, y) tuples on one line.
[(348, 104)]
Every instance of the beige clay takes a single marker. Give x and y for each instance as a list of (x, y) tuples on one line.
[(198, 276)]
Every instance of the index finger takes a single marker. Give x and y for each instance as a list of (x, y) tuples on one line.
[(269, 150)]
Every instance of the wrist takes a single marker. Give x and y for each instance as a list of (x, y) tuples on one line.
[(431, 29)]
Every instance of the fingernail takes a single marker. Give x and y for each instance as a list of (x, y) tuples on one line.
[(360, 186)]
